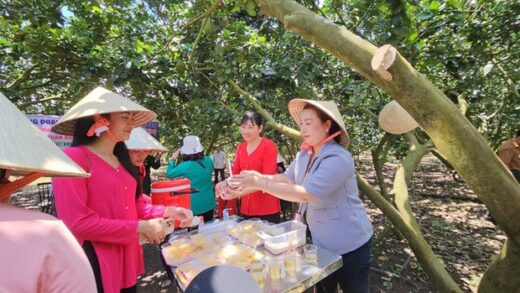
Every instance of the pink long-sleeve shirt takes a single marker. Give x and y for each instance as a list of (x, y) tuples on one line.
[(103, 209), (39, 254)]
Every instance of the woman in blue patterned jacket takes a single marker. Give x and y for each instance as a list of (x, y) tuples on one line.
[(322, 179)]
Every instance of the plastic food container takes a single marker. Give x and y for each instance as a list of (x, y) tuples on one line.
[(217, 226), (284, 236), (247, 233), (237, 254)]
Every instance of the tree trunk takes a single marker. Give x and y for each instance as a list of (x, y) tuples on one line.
[(379, 159), (402, 177), (503, 275), (290, 132), (438, 275)]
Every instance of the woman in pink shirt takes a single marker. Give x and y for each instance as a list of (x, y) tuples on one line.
[(101, 211), (37, 252)]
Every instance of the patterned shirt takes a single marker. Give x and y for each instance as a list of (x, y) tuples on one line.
[(337, 220)]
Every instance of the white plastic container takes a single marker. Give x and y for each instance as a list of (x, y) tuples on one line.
[(284, 236), (217, 226)]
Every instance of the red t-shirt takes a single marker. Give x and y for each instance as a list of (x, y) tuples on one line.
[(263, 160)]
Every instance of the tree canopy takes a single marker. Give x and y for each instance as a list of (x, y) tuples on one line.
[(177, 57)]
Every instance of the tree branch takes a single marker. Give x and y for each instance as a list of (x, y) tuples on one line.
[(290, 132), (24, 105), (197, 18), (25, 76)]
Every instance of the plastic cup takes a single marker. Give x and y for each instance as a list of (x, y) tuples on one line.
[(289, 261), (311, 254), (257, 270), (275, 268)]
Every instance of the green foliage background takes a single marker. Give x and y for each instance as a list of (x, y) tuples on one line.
[(176, 57)]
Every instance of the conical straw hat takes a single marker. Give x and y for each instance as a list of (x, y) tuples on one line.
[(101, 101), (328, 107), (394, 119), (140, 140), (25, 149)]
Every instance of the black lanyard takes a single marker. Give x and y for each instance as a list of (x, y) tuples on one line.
[(302, 208)]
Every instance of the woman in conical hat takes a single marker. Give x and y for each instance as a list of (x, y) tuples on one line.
[(101, 211), (37, 251), (322, 179), (140, 145)]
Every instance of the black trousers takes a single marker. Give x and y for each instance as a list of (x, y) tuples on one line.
[(222, 176), (208, 216), (353, 276), (94, 263)]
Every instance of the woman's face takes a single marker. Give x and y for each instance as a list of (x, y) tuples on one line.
[(121, 125), (311, 127), (250, 131), (137, 157)]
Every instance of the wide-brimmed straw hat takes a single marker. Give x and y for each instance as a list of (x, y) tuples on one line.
[(394, 119), (328, 107), (191, 145), (140, 140), (26, 149), (101, 101)]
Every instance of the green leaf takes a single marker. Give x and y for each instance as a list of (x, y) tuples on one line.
[(251, 8), (412, 38), (454, 3), (96, 9), (423, 15), (139, 46), (226, 33), (434, 5)]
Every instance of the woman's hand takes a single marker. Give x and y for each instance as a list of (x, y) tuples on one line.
[(238, 192), (176, 154), (151, 230), (178, 213), (246, 179), (221, 188)]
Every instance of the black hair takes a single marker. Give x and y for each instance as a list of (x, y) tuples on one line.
[(334, 127), (2, 174), (193, 157), (120, 150), (254, 117)]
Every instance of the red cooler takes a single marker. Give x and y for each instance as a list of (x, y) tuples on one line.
[(175, 192)]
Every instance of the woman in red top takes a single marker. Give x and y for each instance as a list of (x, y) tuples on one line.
[(255, 153)]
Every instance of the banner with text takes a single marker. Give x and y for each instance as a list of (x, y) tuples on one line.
[(45, 122)]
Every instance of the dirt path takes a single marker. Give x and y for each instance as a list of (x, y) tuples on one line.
[(456, 229)]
